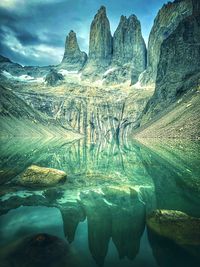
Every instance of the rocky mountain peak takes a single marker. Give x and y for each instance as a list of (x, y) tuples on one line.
[(129, 46), (100, 37), (102, 11), (100, 45), (71, 44), (73, 58)]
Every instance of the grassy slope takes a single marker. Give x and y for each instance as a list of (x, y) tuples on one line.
[(180, 120)]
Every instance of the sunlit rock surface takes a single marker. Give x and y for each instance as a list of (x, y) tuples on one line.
[(175, 225), (36, 176)]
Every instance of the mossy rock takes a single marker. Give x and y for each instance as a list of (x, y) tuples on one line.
[(177, 226), (35, 176)]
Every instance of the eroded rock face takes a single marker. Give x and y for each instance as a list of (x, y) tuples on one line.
[(129, 45), (100, 46), (175, 225), (168, 18), (100, 38), (74, 58), (178, 68), (35, 176)]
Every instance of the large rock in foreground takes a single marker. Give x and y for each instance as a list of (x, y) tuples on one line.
[(37, 250), (35, 176), (175, 225)]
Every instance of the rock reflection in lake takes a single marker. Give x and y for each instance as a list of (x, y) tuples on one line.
[(101, 209)]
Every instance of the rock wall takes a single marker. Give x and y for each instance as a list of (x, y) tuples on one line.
[(100, 45), (179, 66), (128, 44), (168, 18), (96, 117)]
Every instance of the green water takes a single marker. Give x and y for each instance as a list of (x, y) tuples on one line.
[(101, 209)]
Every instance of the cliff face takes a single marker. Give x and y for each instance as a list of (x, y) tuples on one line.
[(178, 80), (100, 45), (117, 58), (129, 52), (97, 117), (128, 44), (168, 18), (74, 58)]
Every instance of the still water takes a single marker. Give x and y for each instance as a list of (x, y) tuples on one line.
[(98, 216)]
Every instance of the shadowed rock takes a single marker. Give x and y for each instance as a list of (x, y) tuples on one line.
[(166, 21), (53, 78), (38, 250), (178, 68), (129, 47)]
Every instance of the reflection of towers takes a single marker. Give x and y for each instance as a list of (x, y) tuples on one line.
[(99, 225), (128, 220), (72, 214), (111, 212)]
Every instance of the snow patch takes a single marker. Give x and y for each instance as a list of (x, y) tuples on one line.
[(66, 72), (109, 71), (23, 78)]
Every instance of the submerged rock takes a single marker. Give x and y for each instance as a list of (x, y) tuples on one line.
[(37, 250), (175, 225), (53, 78), (35, 176)]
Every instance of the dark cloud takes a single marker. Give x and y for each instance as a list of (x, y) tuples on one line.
[(34, 33)]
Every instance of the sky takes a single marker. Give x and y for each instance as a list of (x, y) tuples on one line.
[(33, 32)]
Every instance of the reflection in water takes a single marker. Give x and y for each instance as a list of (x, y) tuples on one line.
[(110, 190)]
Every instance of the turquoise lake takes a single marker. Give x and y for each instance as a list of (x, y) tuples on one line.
[(100, 211)]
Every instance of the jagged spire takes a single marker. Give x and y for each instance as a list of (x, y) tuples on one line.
[(73, 58)]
